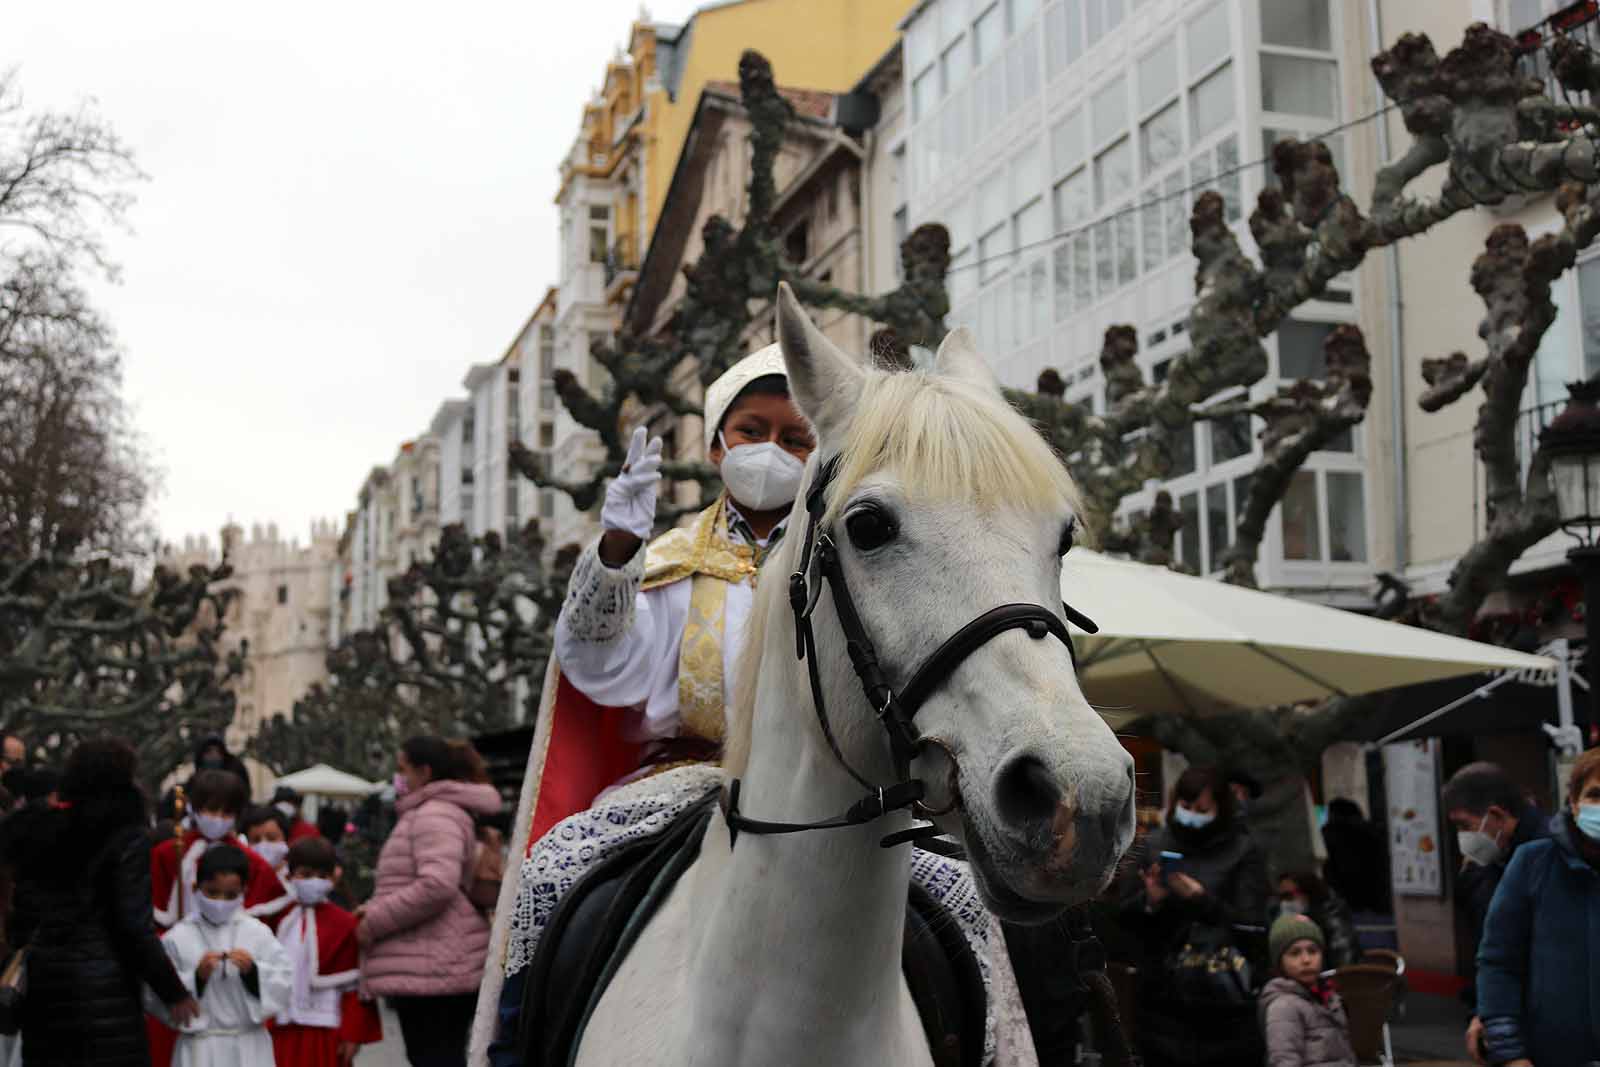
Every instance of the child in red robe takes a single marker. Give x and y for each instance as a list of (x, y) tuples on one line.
[(215, 799), (326, 1020)]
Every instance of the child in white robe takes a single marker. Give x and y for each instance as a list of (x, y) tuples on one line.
[(234, 966)]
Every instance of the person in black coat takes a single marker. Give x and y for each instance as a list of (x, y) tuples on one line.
[(212, 754), (1209, 895), (82, 907)]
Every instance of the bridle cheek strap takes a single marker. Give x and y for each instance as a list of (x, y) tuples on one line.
[(895, 711)]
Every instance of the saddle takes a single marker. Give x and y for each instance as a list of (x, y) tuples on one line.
[(600, 918)]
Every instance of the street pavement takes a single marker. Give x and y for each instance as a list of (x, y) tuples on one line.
[(391, 1052)]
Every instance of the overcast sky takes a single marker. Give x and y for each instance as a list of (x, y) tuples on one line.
[(347, 205)]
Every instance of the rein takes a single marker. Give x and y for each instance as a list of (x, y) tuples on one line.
[(896, 711)]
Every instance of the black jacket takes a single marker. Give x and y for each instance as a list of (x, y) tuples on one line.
[(1229, 864), (1475, 884), (82, 906)]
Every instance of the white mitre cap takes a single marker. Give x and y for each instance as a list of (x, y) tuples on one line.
[(721, 393)]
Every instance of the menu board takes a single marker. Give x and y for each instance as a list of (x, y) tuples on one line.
[(1411, 773)]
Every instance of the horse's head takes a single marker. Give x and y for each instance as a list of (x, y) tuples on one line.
[(946, 503)]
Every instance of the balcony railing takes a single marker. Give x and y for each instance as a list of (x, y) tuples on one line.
[(1578, 22), (1529, 422), (619, 261)]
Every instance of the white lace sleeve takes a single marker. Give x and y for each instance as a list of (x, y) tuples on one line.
[(600, 600)]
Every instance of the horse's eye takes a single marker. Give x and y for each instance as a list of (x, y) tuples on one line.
[(1068, 532), (870, 528)]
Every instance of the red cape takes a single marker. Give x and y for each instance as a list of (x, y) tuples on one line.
[(337, 953), (264, 897), (586, 752)]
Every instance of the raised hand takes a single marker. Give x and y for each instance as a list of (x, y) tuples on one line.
[(630, 505)]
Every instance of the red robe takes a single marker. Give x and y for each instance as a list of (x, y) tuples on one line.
[(328, 966), (586, 753), (302, 830), (172, 875)]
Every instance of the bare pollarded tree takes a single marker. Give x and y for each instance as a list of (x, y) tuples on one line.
[(463, 635), (732, 281), (1475, 121), (72, 468)]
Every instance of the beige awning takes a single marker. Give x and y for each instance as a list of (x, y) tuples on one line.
[(1172, 642)]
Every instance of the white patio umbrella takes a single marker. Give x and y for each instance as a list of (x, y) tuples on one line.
[(1172, 642), (325, 781)]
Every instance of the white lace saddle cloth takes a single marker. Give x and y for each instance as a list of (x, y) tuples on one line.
[(646, 808)]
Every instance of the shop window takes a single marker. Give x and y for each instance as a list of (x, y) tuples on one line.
[(994, 248), (1298, 85), (1347, 518), (1066, 142), (1113, 173), (1161, 138), (1184, 459), (1218, 532), (1300, 352), (1230, 438), (1589, 315), (1189, 530), (1302, 537), (1211, 102), (797, 243), (1158, 75), (1297, 24), (1207, 37), (1108, 112)]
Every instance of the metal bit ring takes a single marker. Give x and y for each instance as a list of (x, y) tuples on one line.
[(952, 783)]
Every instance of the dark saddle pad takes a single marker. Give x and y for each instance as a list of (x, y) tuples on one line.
[(599, 919)]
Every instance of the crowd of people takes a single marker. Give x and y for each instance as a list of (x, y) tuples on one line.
[(223, 933), (1231, 970)]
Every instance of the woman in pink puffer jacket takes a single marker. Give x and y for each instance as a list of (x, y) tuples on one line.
[(425, 943)]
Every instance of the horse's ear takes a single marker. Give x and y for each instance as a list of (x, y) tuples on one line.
[(825, 382), (958, 358)]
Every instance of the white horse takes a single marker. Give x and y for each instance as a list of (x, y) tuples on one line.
[(786, 950)]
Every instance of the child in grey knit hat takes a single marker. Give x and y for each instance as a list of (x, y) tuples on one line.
[(1301, 1012)]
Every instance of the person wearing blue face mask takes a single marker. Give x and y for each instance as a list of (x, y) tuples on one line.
[(1537, 994), (1201, 877)]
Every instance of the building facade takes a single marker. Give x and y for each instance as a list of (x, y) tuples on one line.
[(395, 523), (616, 178), (1441, 482), (283, 609), (1063, 145)]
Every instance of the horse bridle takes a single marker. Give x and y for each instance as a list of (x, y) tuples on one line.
[(896, 711)]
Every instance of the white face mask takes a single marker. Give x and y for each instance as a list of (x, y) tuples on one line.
[(271, 851), (761, 477), (311, 891), (1194, 820), (217, 912), (286, 808), (212, 827), (1479, 847)]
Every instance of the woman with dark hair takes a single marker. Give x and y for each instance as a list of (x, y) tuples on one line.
[(82, 908), (1201, 891), (425, 941), (1303, 893)]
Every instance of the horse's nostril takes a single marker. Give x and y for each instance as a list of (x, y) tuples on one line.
[(1026, 792)]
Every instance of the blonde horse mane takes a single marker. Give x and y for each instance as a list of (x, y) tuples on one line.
[(943, 438)]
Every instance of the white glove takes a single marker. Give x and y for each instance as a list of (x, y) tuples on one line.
[(631, 497)]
